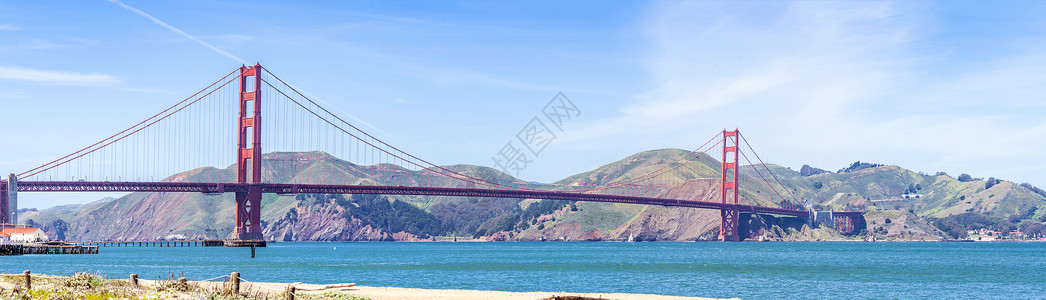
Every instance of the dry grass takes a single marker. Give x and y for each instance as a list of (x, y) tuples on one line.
[(87, 286)]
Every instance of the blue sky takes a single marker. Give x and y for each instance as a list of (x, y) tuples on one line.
[(930, 86)]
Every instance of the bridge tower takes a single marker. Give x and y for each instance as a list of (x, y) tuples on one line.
[(249, 156), (728, 192)]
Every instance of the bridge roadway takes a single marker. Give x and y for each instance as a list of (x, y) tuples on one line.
[(217, 188)]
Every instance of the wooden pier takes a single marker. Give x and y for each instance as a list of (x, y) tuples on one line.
[(59, 249), (19, 249), (91, 247), (198, 243), (245, 243)]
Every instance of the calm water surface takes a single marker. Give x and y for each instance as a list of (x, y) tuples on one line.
[(745, 270)]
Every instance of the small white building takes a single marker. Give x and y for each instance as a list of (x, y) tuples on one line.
[(26, 234)]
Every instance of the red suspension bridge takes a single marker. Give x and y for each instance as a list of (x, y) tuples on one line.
[(198, 131)]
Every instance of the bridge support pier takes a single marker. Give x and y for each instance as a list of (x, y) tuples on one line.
[(248, 215), (728, 226)]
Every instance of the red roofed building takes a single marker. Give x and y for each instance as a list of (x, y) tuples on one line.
[(25, 234)]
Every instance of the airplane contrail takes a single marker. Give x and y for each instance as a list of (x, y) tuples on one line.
[(227, 54), (178, 31)]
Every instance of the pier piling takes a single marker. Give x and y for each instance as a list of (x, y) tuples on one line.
[(28, 280), (234, 280)]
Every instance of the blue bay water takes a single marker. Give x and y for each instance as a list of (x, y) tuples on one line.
[(745, 270)]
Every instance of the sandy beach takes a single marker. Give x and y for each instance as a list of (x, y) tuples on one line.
[(377, 293), (389, 293), (81, 286)]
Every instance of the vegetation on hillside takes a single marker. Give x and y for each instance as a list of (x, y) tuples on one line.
[(466, 216), (856, 166), (807, 170), (953, 205), (519, 219), (379, 212), (1024, 220)]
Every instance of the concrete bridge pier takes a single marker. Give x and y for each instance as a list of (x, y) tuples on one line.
[(728, 227)]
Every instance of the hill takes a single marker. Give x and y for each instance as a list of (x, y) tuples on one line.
[(928, 206), (900, 204)]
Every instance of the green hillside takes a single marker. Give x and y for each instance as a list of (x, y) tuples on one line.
[(924, 199), (899, 204)]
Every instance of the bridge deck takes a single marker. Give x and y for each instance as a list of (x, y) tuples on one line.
[(217, 188)]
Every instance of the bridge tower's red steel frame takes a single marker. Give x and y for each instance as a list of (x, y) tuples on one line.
[(729, 216), (249, 156)]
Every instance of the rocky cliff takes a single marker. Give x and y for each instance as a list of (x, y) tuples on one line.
[(914, 204)]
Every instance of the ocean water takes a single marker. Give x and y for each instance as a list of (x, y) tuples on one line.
[(906, 270)]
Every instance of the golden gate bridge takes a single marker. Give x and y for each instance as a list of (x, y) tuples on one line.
[(197, 131)]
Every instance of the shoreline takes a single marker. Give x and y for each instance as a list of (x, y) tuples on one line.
[(377, 293), (84, 285), (636, 242)]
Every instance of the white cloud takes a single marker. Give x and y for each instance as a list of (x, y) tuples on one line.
[(56, 77), (714, 69), (145, 90), (12, 95), (37, 44), (9, 27), (829, 83)]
